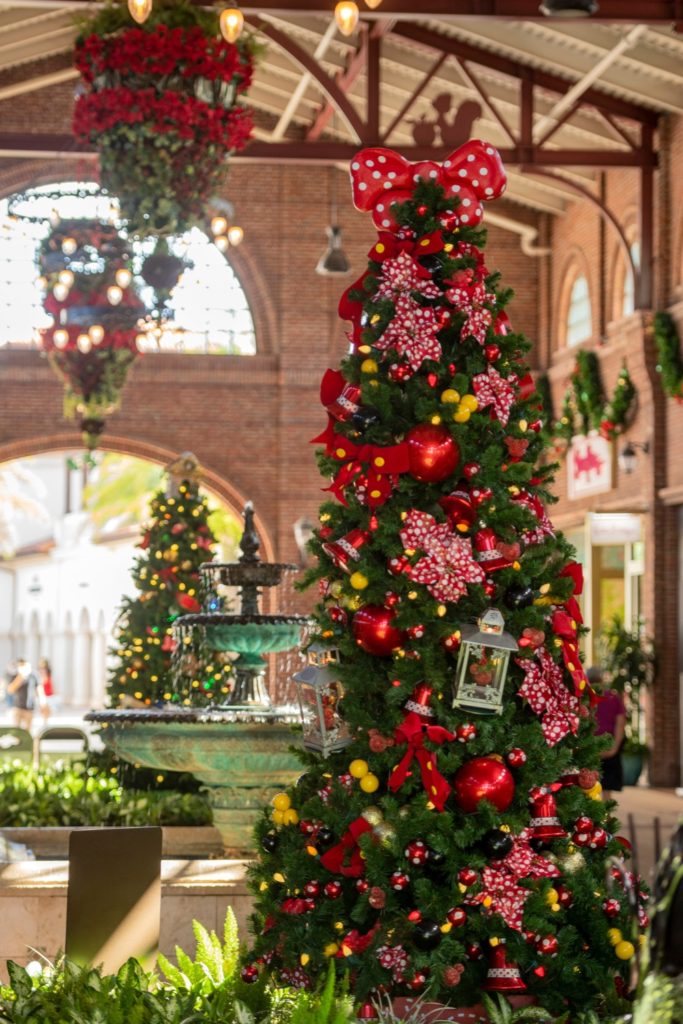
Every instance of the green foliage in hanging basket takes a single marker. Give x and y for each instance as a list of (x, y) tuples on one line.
[(584, 406), (669, 360)]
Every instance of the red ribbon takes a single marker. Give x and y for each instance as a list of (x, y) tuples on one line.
[(383, 461), (334, 859), (414, 732), (565, 628)]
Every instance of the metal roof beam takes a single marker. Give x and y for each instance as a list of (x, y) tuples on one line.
[(650, 11)]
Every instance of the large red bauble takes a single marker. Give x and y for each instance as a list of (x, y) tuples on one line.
[(483, 778), (432, 453), (373, 630)]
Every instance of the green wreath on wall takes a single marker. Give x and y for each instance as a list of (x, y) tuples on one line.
[(585, 407), (670, 363)]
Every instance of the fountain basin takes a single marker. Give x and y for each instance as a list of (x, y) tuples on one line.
[(248, 634), (242, 757)]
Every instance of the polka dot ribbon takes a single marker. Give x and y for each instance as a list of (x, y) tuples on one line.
[(381, 177)]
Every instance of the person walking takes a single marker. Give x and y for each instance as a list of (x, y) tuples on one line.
[(22, 691), (610, 716), (44, 689)]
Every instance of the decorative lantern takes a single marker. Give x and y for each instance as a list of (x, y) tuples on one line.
[(483, 665), (320, 693)]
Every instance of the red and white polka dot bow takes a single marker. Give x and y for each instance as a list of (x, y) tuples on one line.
[(473, 173)]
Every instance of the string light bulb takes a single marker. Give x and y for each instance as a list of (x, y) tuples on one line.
[(123, 277), (114, 294), (219, 225), (222, 243), (235, 234), (140, 10), (66, 277), (96, 333), (346, 15), (231, 22), (372, 4), (60, 292), (61, 338), (69, 246), (84, 343)]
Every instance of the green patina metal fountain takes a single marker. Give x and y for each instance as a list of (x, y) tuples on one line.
[(238, 749)]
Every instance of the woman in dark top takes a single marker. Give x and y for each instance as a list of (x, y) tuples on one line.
[(610, 716)]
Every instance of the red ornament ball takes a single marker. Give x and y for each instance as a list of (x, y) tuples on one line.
[(456, 916), (398, 565), (249, 973), (399, 881), (489, 588), (467, 876), (491, 353), (374, 632), (312, 889), (376, 898), (333, 890), (362, 885), (432, 453), (611, 907), (483, 778), (584, 824), (418, 981), (466, 733), (422, 210), (516, 757), (416, 852), (470, 469), (565, 897), (452, 975), (599, 839), (548, 945), (474, 951)]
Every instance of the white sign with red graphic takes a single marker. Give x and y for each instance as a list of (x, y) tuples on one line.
[(589, 466)]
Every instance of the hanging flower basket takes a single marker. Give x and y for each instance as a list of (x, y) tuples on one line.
[(90, 295), (160, 104)]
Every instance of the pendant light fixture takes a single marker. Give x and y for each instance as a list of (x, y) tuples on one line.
[(231, 22), (372, 4), (346, 15), (568, 8), (140, 10), (334, 261)]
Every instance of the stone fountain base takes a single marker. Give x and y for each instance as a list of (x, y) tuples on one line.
[(241, 756)]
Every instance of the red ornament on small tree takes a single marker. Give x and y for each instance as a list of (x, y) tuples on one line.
[(432, 453), (483, 778), (374, 631)]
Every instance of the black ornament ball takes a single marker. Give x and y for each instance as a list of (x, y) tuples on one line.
[(435, 858), (269, 842), (518, 597), (324, 837), (497, 844), (427, 934), (364, 417)]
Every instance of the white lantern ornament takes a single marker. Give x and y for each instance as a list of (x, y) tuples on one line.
[(320, 693), (483, 665)]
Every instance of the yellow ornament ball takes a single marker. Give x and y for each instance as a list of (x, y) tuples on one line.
[(290, 817), (368, 366), (358, 768), (278, 817), (614, 935), (330, 949), (461, 415), (281, 802), (595, 792), (450, 395), (469, 402), (369, 783), (625, 950), (551, 897), (358, 581)]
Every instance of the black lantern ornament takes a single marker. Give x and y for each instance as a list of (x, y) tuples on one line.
[(320, 693), (483, 665)]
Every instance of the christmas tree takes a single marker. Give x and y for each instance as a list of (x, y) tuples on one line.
[(458, 841), (176, 541)]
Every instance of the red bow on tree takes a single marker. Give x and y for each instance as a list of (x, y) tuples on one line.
[(566, 629), (473, 173), (334, 859), (414, 732), (497, 391), (501, 893), (383, 463), (548, 696)]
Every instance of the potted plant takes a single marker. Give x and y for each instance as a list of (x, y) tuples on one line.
[(628, 657)]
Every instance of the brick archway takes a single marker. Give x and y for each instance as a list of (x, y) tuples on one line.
[(222, 488)]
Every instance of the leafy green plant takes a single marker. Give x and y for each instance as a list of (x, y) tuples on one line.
[(61, 795), (628, 657), (500, 1012)]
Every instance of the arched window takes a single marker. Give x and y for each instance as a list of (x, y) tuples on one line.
[(628, 293), (210, 309), (579, 322)]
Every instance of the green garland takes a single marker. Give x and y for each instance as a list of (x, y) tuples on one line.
[(585, 407), (670, 363)]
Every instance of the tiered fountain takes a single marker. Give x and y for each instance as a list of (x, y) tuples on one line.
[(239, 749)]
